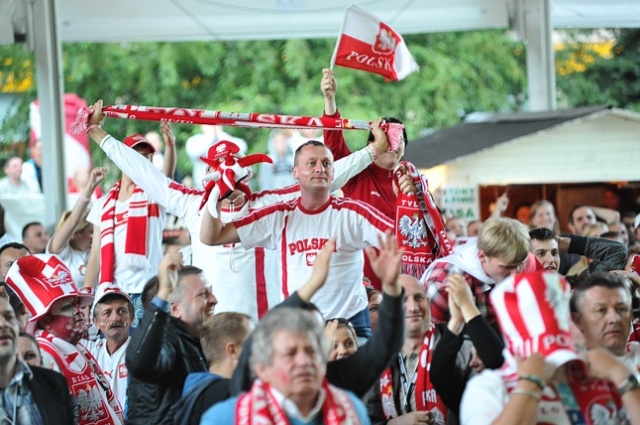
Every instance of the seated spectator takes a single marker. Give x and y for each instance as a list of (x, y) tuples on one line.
[(289, 360), (547, 382), (621, 229)]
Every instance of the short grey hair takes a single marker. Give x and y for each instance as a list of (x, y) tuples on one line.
[(294, 320)]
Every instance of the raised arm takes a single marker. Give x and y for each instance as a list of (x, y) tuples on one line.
[(170, 157), (61, 238), (212, 231), (319, 272), (93, 263), (329, 87), (333, 139)]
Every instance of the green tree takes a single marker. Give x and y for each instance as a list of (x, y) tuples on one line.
[(460, 73)]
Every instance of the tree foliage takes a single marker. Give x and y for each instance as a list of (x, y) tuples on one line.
[(460, 73), (607, 79)]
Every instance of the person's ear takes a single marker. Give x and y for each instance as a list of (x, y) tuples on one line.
[(481, 255), (231, 350)]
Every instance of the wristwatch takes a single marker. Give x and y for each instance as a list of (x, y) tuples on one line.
[(629, 384)]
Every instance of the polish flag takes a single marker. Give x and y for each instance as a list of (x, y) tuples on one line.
[(368, 44)]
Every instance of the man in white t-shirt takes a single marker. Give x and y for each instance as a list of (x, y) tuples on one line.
[(299, 229), (127, 236), (112, 315)]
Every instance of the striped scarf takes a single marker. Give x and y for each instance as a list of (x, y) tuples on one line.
[(259, 407), (135, 248)]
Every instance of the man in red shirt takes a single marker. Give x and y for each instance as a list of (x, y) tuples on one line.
[(374, 185)]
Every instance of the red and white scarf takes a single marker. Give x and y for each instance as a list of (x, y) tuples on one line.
[(423, 392), (419, 226), (96, 401), (135, 248), (260, 407)]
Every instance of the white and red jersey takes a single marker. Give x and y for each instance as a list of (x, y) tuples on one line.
[(245, 281), (299, 234), (113, 365), (75, 260), (128, 279)]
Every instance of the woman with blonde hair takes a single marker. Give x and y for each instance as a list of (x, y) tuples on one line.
[(72, 238), (543, 214)]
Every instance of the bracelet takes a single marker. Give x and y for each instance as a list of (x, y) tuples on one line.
[(91, 127), (84, 198), (532, 378), (522, 391), (372, 151)]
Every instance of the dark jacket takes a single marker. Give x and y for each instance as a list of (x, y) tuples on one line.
[(159, 357), (373, 400), (49, 390), (356, 373), (450, 386), (201, 391)]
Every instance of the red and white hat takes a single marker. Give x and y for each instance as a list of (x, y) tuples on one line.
[(40, 280), (221, 149), (533, 313), (137, 140)]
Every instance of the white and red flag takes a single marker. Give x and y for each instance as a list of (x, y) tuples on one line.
[(368, 44)]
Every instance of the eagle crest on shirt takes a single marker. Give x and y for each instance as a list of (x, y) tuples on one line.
[(414, 230), (90, 403)]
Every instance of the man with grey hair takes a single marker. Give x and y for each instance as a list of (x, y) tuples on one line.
[(289, 357)]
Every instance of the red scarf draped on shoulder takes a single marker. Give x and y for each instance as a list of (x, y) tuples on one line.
[(419, 227), (259, 407), (135, 248), (425, 395)]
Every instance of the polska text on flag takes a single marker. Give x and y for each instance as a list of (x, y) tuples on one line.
[(368, 44)]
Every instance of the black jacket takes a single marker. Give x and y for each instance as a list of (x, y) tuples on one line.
[(159, 357), (49, 390)]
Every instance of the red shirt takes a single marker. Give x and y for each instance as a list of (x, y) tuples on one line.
[(373, 186)]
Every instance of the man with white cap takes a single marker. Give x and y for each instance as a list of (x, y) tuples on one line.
[(112, 315), (543, 379), (44, 285)]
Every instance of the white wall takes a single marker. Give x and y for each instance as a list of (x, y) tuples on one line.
[(602, 148)]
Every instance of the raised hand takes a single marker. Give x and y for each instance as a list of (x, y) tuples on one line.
[(386, 264)]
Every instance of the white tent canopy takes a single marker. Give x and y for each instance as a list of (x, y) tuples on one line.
[(46, 23)]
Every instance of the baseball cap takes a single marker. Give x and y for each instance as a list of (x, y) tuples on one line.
[(137, 140), (218, 150), (533, 314), (40, 280)]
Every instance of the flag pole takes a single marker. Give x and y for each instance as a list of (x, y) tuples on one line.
[(335, 50)]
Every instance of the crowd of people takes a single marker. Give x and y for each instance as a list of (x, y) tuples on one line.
[(300, 304)]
